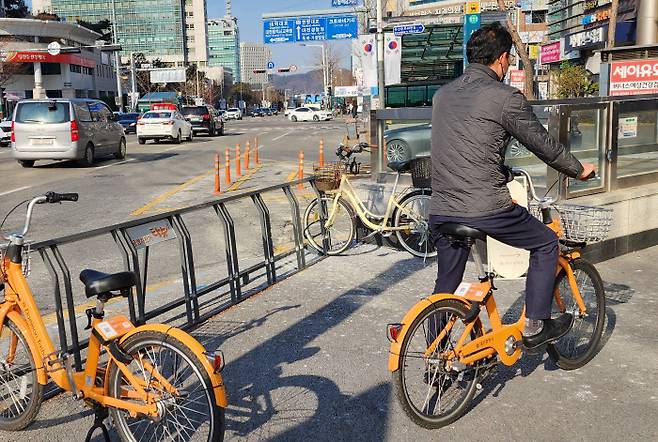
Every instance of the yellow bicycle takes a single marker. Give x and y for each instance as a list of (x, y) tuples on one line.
[(406, 215), (157, 382)]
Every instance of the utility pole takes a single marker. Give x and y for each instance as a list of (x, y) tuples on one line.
[(521, 51), (198, 88), (133, 83), (612, 27), (117, 58)]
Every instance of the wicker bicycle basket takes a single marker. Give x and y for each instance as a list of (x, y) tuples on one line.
[(581, 223), (421, 172), (327, 177)]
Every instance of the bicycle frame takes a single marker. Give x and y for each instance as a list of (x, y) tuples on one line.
[(20, 307), (346, 191), (499, 341)]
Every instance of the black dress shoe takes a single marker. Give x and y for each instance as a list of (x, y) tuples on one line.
[(553, 330)]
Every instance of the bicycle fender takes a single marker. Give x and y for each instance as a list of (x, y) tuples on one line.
[(7, 311), (413, 313), (196, 347)]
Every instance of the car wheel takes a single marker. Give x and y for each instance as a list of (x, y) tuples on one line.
[(141, 140), (121, 153), (178, 138), (293, 119), (316, 118), (191, 137), (88, 159), (221, 130), (397, 150), (26, 163)]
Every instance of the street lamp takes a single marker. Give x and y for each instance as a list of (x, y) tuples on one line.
[(325, 70), (117, 60)]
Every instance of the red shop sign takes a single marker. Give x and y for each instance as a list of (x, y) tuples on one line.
[(634, 77)]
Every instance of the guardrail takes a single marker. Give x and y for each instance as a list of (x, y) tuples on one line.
[(140, 235)]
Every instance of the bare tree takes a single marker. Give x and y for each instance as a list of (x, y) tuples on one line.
[(612, 28), (522, 52)]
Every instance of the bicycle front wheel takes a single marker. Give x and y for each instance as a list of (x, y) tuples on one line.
[(432, 392), (190, 413), (413, 213), (20, 392), (579, 346), (340, 233)]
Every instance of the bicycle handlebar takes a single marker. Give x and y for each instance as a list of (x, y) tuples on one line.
[(48, 197), (547, 200)]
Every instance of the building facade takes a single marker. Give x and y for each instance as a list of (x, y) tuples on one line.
[(173, 31), (254, 56), (224, 45), (35, 73)]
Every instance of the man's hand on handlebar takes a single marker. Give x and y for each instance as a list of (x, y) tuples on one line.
[(589, 172)]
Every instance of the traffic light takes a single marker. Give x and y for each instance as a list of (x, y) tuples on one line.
[(283, 70), (260, 71)]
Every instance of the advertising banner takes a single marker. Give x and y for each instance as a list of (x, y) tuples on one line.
[(364, 56), (173, 75), (517, 79), (44, 57), (550, 53), (392, 59), (634, 77)]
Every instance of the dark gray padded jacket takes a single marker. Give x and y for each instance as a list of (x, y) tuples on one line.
[(473, 120)]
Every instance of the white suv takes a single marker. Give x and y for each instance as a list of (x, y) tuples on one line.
[(233, 114)]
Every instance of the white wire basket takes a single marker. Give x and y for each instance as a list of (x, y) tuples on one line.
[(581, 223)]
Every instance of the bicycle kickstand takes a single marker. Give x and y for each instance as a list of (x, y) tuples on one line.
[(100, 415)]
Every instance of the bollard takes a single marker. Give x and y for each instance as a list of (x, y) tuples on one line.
[(300, 172), (227, 165), (246, 156), (321, 152), (256, 158), (238, 172), (218, 189)]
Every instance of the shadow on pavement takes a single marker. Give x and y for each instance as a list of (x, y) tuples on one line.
[(263, 399)]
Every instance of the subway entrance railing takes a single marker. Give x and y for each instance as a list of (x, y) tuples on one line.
[(203, 259), (618, 134)]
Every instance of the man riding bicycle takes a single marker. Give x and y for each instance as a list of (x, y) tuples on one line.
[(473, 119)]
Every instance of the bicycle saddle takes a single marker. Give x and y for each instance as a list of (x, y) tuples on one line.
[(462, 231), (98, 283), (400, 166)]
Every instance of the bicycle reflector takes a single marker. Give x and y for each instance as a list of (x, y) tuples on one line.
[(393, 331), (216, 359)]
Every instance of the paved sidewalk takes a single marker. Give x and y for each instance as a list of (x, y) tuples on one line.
[(307, 360)]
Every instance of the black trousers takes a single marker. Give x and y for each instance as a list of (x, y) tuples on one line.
[(516, 228)]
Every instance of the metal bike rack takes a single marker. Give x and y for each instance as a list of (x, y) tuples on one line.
[(233, 285)]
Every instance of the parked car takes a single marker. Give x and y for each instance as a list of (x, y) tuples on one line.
[(234, 113), (267, 111), (287, 111), (129, 122), (257, 112), (274, 110), (65, 129), (5, 133), (204, 119), (163, 125), (408, 142), (309, 114)]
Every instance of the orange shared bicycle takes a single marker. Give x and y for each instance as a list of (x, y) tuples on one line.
[(444, 347), (156, 381)]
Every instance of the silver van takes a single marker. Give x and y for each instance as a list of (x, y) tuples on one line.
[(65, 129)]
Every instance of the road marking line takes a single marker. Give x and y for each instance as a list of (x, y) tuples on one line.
[(171, 192), (235, 186), (15, 190), (113, 164), (292, 175), (281, 136)]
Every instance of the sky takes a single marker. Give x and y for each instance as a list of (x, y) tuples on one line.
[(249, 14)]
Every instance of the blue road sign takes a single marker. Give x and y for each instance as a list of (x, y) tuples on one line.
[(270, 65), (279, 30), (305, 29), (341, 3), (471, 24), (416, 28)]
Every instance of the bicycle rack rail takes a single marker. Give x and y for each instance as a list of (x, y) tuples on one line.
[(237, 278)]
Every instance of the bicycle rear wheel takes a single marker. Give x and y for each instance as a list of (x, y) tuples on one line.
[(414, 212), (20, 392), (432, 394), (190, 414), (579, 346), (340, 234)]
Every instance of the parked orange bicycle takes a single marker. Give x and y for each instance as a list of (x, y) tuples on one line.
[(157, 381), (441, 351)]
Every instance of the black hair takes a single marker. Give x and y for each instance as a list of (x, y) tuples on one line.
[(488, 43)]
